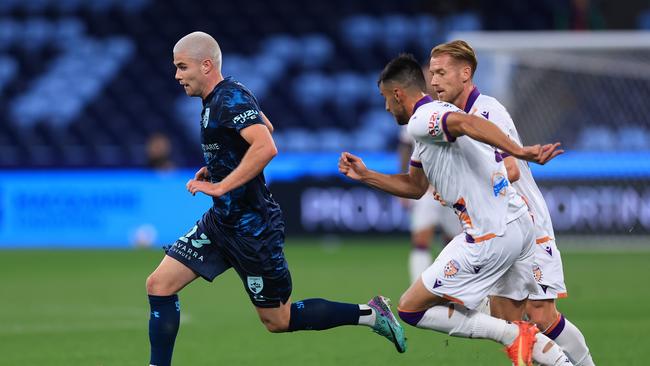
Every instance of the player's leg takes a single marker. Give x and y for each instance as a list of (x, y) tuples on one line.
[(162, 285), (420, 257), (421, 308), (542, 310), (267, 280), (444, 297), (424, 214), (192, 255), (554, 325), (516, 285), (507, 309)]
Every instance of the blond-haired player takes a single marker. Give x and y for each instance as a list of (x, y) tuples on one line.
[(496, 248), (452, 66)]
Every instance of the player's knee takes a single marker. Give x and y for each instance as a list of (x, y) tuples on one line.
[(155, 286), (275, 324), (541, 313)]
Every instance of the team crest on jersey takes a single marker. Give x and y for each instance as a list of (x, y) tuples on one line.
[(205, 118), (451, 268), (537, 272), (434, 125), (255, 284), (499, 184)]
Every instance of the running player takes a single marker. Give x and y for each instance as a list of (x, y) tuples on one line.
[(244, 228), (496, 248), (426, 217), (452, 67)]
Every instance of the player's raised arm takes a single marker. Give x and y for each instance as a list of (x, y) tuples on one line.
[(410, 185), (460, 124), (260, 152)]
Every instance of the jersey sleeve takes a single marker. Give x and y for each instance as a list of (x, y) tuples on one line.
[(429, 125), (416, 161), (241, 110)]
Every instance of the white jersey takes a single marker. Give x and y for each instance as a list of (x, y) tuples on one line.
[(490, 108), (469, 175)]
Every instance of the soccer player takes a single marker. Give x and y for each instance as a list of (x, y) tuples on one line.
[(244, 228), (426, 215), (452, 66), (496, 248)]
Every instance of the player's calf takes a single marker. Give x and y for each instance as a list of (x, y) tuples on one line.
[(276, 320), (559, 329)]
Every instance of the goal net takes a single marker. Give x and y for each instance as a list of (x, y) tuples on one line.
[(591, 91)]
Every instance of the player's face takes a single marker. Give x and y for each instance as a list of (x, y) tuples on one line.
[(393, 105), (188, 74), (447, 77)]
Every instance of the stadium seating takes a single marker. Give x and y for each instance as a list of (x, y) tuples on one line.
[(84, 83)]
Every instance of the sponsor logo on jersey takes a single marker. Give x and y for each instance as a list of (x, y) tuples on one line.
[(499, 184), (451, 268), (548, 249), (210, 147), (242, 117), (537, 272), (434, 125), (255, 284), (205, 118), (544, 287)]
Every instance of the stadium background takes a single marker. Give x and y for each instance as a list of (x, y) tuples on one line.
[(89, 108)]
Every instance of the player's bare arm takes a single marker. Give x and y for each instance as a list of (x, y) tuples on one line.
[(512, 168), (413, 184), (260, 152), (267, 123), (460, 124)]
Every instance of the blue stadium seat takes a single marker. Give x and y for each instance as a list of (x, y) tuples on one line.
[(643, 20)]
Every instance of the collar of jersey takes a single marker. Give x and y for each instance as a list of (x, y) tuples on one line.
[(424, 100), (471, 99), (209, 97)]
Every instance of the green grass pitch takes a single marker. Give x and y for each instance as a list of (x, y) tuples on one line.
[(90, 308)]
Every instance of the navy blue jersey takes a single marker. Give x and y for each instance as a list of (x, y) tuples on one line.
[(249, 209)]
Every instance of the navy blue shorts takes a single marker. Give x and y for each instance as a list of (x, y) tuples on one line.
[(209, 250)]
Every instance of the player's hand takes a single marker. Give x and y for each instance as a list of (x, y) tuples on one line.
[(211, 189), (203, 174), (540, 154), (352, 166)]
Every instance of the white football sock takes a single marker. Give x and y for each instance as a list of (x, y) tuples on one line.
[(548, 353), (368, 320), (456, 320), (574, 345), (419, 260)]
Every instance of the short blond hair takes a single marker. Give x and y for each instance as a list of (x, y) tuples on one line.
[(458, 50)]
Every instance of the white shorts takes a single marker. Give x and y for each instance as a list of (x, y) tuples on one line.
[(548, 271), (466, 273), (427, 212)]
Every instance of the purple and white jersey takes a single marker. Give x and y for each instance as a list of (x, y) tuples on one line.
[(469, 175)]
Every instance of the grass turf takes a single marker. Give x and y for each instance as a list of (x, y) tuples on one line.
[(90, 308)]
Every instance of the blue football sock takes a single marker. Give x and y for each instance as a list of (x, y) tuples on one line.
[(163, 326), (319, 314)]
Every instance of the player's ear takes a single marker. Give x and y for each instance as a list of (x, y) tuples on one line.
[(397, 94), (467, 73), (206, 66)]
